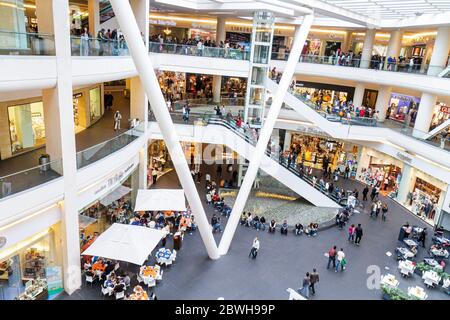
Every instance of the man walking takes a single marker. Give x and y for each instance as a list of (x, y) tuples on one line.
[(255, 248), (340, 259), (304, 290), (358, 234), (332, 257), (365, 192), (313, 279)]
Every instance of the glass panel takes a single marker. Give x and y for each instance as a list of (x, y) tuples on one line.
[(26, 126), (95, 103), (259, 75), (16, 43), (261, 54), (104, 149), (256, 96)]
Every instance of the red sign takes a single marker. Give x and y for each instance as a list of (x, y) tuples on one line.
[(445, 109)]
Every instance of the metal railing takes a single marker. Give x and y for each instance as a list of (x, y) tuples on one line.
[(104, 149), (85, 46), (30, 178), (25, 43), (193, 50)]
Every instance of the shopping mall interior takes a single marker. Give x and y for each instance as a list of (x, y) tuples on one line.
[(172, 150)]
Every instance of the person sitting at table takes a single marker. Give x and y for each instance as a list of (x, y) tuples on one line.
[(126, 279), (160, 220), (272, 226), (243, 218), (120, 287), (298, 229), (109, 267), (90, 273), (414, 250), (215, 222), (284, 228), (87, 265), (408, 230), (152, 224)]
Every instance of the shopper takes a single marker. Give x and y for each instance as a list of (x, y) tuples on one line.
[(373, 209), (351, 233), (384, 210), (358, 234), (422, 237), (255, 248), (313, 279), (340, 260), (117, 119), (304, 290), (373, 193), (365, 192), (332, 257), (154, 175)]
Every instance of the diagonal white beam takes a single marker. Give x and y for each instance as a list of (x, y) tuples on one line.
[(141, 59), (266, 131)]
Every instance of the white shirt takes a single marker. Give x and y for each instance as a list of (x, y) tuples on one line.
[(256, 244), (208, 177), (340, 255)]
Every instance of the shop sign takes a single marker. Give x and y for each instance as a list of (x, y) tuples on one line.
[(117, 178), (54, 279), (2, 242), (203, 26), (445, 109), (403, 157), (163, 22)]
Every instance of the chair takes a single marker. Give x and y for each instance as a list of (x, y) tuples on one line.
[(159, 275), (89, 279), (139, 279), (169, 261), (151, 282), (117, 266), (174, 255), (120, 295), (106, 291)]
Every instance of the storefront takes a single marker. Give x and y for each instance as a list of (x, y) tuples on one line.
[(31, 269), (325, 95), (198, 86), (440, 115), (23, 120), (314, 149), (403, 107)]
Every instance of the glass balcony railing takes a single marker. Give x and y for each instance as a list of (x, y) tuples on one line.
[(98, 47), (104, 149), (356, 62), (30, 178), (193, 50), (26, 44)]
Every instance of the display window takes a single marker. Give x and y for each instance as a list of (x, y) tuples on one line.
[(26, 126), (95, 104), (440, 115), (79, 112), (323, 98), (403, 107), (29, 269)]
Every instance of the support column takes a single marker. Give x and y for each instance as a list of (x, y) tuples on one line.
[(424, 114), (363, 162), (141, 11), (406, 183), (266, 131), (216, 86), (347, 41), (220, 30), (359, 94), (441, 49), (94, 17), (146, 72), (60, 142), (138, 100), (366, 55), (394, 46), (143, 166), (384, 94)]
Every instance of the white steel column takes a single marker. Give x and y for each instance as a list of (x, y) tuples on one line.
[(141, 11), (216, 86), (62, 94), (266, 131), (94, 17), (405, 183), (440, 51), (366, 55), (359, 94), (424, 114), (220, 30), (384, 94), (138, 51), (143, 166), (394, 46)]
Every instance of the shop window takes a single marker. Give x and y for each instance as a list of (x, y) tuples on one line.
[(440, 115), (26, 126), (95, 103), (256, 96), (400, 106)]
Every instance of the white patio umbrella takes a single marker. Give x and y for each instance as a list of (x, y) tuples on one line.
[(114, 195), (125, 242), (160, 199)]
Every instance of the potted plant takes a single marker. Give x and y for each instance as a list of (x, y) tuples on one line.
[(390, 293)]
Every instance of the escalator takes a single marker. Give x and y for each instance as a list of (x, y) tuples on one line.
[(243, 143), (445, 73)]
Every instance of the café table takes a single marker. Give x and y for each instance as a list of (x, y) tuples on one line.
[(406, 267), (417, 292), (410, 243), (431, 278), (163, 255), (390, 280)]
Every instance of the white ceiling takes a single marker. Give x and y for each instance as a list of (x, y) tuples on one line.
[(393, 9)]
